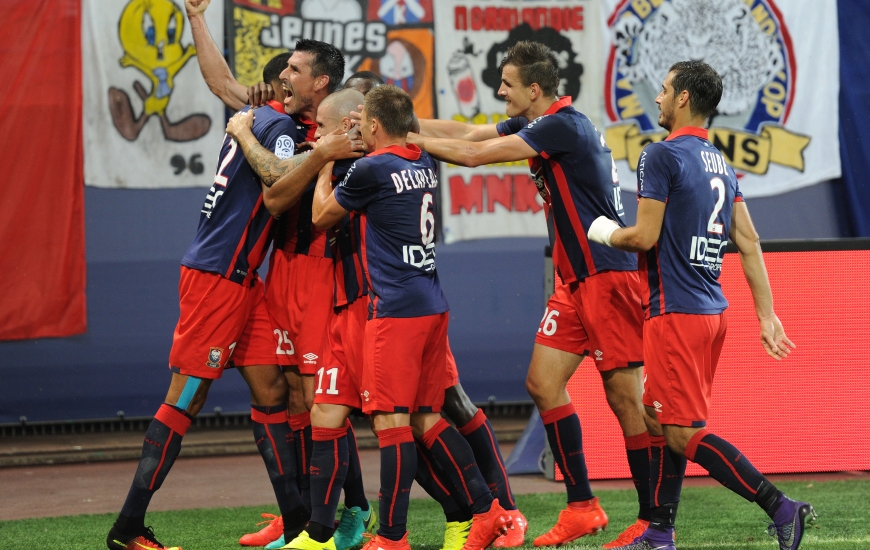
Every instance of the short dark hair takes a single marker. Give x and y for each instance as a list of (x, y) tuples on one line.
[(275, 66), (367, 75), (363, 81), (536, 63), (393, 108), (703, 84), (326, 60)]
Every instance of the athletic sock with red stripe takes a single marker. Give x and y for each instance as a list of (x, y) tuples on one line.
[(327, 471), (354, 491), (159, 451), (301, 425), (637, 449), (456, 459), (398, 466), (430, 477), (566, 442), (726, 464), (480, 436), (666, 472), (275, 443)]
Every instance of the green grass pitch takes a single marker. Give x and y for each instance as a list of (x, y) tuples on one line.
[(709, 517)]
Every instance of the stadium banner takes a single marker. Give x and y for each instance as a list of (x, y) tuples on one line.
[(393, 38), (471, 38), (777, 122), (42, 220), (149, 119)]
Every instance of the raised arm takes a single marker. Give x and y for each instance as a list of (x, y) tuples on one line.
[(748, 244), (212, 64), (475, 153), (453, 129)]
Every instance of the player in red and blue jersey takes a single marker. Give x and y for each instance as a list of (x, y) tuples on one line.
[(405, 335), (596, 308), (689, 206), (223, 323)]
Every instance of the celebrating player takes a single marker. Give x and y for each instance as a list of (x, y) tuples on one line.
[(310, 74), (687, 193), (596, 306), (405, 335), (230, 328)]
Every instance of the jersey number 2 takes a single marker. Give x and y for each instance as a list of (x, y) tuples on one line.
[(719, 186)]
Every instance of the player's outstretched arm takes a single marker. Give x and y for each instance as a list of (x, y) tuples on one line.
[(640, 237), (471, 154), (453, 129), (748, 244), (212, 64), (325, 210)]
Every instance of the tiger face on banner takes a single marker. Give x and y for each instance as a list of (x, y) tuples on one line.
[(746, 41), (389, 37)]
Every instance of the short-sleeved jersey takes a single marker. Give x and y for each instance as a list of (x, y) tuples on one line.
[(233, 233), (575, 174), (346, 243), (681, 272), (394, 188), (294, 231)]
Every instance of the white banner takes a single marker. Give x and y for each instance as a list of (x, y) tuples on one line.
[(471, 38), (149, 119), (777, 123)]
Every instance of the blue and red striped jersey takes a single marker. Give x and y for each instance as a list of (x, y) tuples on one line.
[(681, 272), (575, 174), (233, 233), (294, 231), (394, 189), (346, 243)]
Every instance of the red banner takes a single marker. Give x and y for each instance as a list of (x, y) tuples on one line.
[(807, 413), (42, 233)]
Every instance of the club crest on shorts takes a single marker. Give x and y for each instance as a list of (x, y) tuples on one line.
[(745, 41), (214, 357)]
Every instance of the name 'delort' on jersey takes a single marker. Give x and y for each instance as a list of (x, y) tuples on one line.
[(414, 179)]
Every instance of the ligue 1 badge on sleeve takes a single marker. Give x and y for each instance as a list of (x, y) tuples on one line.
[(214, 357), (745, 41)]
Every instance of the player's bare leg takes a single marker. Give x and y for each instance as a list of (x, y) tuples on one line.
[(477, 431), (546, 382), (623, 388)]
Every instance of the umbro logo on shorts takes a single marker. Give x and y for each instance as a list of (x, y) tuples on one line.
[(310, 358)]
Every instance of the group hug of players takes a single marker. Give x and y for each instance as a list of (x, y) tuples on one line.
[(352, 316)]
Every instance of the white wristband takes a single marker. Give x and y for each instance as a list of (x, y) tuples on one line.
[(601, 229)]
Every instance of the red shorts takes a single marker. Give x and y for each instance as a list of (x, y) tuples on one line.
[(405, 364), (452, 372), (338, 382), (601, 316), (219, 319), (299, 298), (682, 352)]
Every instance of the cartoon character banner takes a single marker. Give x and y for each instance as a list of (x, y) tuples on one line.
[(149, 119), (392, 38), (777, 121), (472, 37)]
